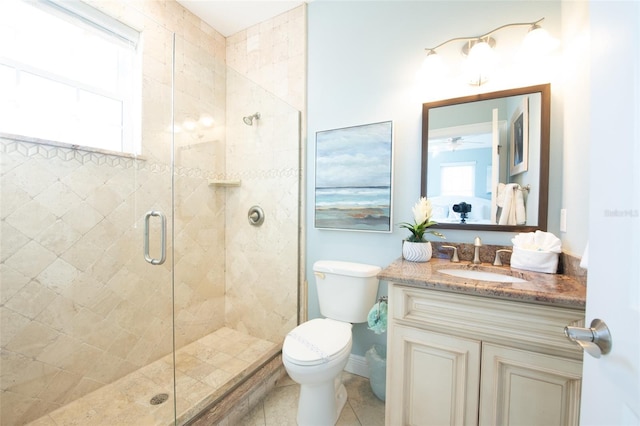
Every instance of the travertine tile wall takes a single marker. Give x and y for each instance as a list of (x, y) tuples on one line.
[(79, 306), (261, 267), (262, 262), (273, 54)]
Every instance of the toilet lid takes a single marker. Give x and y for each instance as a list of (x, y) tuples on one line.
[(317, 340)]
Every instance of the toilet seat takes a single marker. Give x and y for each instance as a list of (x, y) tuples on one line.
[(317, 341)]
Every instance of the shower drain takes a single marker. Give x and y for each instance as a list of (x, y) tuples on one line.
[(159, 399)]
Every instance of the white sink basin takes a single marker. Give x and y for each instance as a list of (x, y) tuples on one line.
[(482, 275)]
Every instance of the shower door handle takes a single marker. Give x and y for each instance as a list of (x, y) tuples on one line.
[(163, 239)]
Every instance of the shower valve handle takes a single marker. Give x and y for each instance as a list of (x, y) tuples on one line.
[(256, 216)]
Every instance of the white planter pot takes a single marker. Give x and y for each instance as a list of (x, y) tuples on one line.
[(416, 252)]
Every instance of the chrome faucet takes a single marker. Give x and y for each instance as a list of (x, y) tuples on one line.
[(477, 243)]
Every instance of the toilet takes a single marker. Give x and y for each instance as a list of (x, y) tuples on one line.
[(315, 352)]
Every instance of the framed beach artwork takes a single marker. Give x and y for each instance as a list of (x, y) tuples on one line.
[(519, 145), (353, 178)]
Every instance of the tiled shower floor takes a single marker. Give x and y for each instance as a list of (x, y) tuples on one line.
[(203, 369)]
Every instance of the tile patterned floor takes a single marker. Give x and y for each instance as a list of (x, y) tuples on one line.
[(280, 405), (203, 369)]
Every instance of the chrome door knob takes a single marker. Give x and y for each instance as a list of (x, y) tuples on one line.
[(596, 340)]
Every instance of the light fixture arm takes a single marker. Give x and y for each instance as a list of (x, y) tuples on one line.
[(431, 50)]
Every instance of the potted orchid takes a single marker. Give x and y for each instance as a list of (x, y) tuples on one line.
[(415, 248)]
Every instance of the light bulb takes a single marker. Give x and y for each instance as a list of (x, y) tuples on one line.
[(480, 63), (539, 42), (433, 67), (481, 53)]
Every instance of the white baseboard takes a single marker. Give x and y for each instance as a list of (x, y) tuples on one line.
[(357, 365)]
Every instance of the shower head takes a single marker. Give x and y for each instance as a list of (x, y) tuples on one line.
[(249, 119)]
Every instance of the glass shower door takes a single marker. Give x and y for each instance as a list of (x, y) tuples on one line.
[(87, 322)]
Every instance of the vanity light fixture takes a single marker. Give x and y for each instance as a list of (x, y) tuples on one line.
[(480, 53)]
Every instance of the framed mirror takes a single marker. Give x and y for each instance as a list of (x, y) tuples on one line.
[(485, 160)]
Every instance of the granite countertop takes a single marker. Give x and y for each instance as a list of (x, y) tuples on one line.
[(539, 288)]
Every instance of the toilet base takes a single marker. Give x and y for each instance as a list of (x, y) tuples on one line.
[(341, 399), (321, 405)]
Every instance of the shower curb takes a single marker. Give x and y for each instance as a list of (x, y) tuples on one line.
[(241, 400)]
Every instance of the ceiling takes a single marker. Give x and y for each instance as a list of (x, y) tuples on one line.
[(230, 16)]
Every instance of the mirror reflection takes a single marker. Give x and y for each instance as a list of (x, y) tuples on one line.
[(485, 160)]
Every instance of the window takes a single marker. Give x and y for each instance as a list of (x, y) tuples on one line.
[(68, 73), (458, 179)]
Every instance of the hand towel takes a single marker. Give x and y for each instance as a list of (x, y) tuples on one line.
[(500, 194), (508, 215), (512, 202), (377, 317), (521, 212)]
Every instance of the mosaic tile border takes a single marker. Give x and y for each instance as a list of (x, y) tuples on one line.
[(47, 151)]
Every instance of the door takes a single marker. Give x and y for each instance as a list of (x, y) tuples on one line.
[(611, 384), (495, 161)]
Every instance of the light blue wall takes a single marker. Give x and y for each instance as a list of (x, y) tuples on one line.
[(363, 58)]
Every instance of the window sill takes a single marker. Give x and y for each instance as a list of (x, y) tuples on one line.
[(28, 139)]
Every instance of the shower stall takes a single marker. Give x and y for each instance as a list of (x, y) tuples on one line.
[(134, 287)]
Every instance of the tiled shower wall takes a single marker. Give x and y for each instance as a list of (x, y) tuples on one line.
[(79, 306), (262, 262)]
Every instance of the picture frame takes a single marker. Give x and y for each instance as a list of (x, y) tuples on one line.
[(519, 143), (353, 178)]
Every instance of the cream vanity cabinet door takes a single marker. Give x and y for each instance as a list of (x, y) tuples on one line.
[(527, 388), (459, 359), (436, 380)]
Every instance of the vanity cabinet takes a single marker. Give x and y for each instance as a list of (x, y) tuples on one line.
[(460, 359)]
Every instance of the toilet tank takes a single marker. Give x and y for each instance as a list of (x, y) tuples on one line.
[(346, 290)]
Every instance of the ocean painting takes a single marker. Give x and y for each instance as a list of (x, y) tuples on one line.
[(353, 178)]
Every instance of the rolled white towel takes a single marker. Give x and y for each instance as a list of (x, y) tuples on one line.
[(538, 241)]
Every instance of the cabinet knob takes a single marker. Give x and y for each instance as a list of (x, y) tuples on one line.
[(596, 340)]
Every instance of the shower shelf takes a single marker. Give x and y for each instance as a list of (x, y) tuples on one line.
[(224, 183)]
